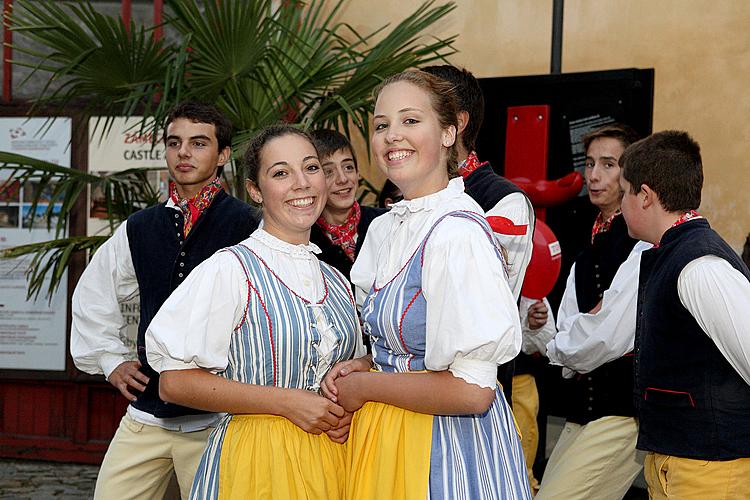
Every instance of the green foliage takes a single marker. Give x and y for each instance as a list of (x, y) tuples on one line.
[(259, 61)]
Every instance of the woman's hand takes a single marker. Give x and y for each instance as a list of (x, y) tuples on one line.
[(342, 369), (351, 391), (340, 433), (312, 413)]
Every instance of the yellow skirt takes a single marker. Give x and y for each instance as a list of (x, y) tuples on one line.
[(268, 457), (388, 453)]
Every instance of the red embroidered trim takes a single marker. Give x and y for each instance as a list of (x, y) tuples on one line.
[(270, 331), (247, 279), (690, 396), (401, 329), (398, 273), (325, 281)]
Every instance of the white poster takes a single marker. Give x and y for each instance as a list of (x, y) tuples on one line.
[(32, 333), (123, 147)]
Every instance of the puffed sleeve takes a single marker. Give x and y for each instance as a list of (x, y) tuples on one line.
[(108, 280), (194, 326), (472, 318)]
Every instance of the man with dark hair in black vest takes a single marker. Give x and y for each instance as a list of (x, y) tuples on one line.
[(595, 457), (692, 350), (151, 254)]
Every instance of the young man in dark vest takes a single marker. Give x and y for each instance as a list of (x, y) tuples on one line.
[(692, 351), (595, 457), (151, 254), (499, 197)]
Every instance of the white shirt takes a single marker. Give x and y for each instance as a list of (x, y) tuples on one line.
[(536, 340), (518, 209), (95, 343), (108, 280), (586, 341), (718, 297), (194, 327), (472, 318)]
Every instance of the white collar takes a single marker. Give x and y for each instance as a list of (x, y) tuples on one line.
[(271, 241), (454, 189)]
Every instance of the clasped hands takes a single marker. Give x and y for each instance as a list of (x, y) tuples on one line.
[(331, 414)]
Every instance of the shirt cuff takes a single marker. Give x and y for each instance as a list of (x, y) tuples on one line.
[(164, 363), (108, 363), (475, 371), (552, 353)]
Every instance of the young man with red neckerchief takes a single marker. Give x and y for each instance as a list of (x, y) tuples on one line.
[(692, 350), (595, 456), (150, 254)]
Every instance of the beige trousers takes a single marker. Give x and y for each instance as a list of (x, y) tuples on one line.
[(593, 461), (676, 478), (140, 460)]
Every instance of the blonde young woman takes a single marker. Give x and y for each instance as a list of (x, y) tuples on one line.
[(252, 332), (432, 422)]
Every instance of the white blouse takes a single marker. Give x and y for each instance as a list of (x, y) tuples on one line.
[(194, 326), (472, 318)]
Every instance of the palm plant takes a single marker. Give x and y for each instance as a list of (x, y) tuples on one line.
[(259, 61)]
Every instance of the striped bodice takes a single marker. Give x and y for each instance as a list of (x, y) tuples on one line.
[(285, 340), (395, 315)]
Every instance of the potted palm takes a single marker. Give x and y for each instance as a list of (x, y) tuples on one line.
[(259, 61)]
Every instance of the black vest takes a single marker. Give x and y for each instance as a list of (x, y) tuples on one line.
[(163, 258), (487, 188), (334, 255), (691, 402), (606, 390)]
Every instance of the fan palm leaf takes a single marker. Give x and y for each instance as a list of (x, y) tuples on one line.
[(259, 61)]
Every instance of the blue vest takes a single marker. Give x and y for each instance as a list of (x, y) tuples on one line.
[(163, 257), (691, 402)]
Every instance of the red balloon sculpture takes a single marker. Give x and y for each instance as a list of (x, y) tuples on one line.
[(544, 268)]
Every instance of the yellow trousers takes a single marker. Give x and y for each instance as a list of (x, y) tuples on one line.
[(526, 409), (676, 478)]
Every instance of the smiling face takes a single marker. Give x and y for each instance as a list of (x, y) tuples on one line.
[(291, 186), (193, 156), (342, 179), (603, 174), (409, 144)]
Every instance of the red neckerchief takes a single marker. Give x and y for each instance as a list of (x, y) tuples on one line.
[(343, 234), (602, 226), (470, 164), (193, 208), (690, 215)]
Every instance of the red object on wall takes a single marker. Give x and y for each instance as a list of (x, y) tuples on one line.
[(544, 267), (526, 155), (544, 193), (527, 142)]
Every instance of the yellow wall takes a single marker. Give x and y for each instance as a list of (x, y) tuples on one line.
[(700, 50)]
